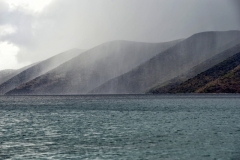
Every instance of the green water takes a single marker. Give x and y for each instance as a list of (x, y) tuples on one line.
[(120, 127)]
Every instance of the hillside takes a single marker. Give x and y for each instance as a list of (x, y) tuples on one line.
[(93, 67), (6, 73), (166, 87), (173, 62), (222, 78), (36, 70), (9, 73), (229, 83)]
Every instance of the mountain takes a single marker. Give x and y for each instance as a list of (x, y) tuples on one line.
[(93, 67), (171, 85), (9, 73), (37, 69), (222, 78), (171, 63), (5, 73)]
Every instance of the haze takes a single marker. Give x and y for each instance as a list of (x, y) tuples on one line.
[(33, 30)]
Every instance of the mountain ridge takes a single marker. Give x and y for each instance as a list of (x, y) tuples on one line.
[(126, 67), (168, 85), (93, 67), (141, 79), (37, 69), (211, 80), (13, 73)]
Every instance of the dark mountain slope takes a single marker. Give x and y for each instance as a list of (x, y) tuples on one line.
[(173, 83), (171, 63), (37, 70), (229, 83), (93, 67), (222, 78)]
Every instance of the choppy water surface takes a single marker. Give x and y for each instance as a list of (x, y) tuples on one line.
[(120, 127)]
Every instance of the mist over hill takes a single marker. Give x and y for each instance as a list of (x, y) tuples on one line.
[(125, 67), (169, 86), (6, 73), (222, 78), (28, 73), (9, 73), (171, 63), (93, 68)]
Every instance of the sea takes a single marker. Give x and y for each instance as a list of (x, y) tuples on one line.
[(120, 127)]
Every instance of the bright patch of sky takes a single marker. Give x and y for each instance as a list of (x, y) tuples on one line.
[(7, 29), (8, 52), (31, 5)]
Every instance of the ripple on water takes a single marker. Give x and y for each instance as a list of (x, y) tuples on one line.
[(120, 127)]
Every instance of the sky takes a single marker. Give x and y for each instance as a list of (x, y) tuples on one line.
[(33, 30)]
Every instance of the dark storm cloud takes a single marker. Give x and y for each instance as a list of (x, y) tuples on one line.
[(86, 23)]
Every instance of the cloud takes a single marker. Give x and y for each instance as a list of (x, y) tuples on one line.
[(6, 30), (28, 5), (60, 25), (8, 52)]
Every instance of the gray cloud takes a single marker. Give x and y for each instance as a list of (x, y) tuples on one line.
[(86, 23)]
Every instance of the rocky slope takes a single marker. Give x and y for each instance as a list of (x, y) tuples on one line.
[(36, 70), (171, 63), (93, 67), (172, 84), (222, 78)]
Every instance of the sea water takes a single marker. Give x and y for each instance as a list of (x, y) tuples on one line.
[(120, 127)]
